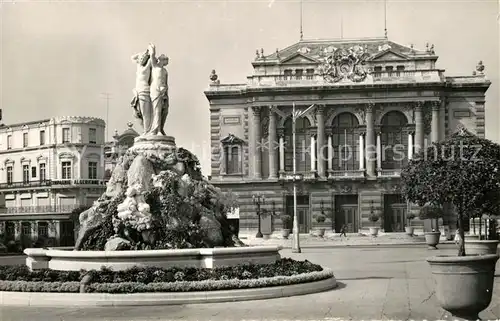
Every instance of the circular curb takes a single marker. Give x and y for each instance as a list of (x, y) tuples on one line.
[(50, 299)]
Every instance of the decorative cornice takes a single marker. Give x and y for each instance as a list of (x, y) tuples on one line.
[(256, 110), (25, 160), (232, 140), (418, 105), (436, 105), (66, 155), (370, 107), (41, 158), (320, 109), (361, 112)]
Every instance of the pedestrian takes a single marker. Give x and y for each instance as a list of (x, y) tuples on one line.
[(343, 231), (457, 237)]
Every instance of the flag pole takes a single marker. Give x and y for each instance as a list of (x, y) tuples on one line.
[(295, 228)]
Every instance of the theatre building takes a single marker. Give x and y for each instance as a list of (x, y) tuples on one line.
[(367, 95), (48, 168)]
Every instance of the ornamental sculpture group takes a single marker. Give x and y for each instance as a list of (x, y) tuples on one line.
[(150, 101), (340, 64), (154, 171)]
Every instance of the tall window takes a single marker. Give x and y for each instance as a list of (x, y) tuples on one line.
[(10, 175), (65, 135), (345, 141), (310, 73), (287, 74), (92, 170), (298, 74), (42, 137), (33, 172), (394, 140), (302, 145), (9, 142), (43, 174), (233, 159), (92, 136), (25, 139), (43, 229), (66, 170), (26, 174)]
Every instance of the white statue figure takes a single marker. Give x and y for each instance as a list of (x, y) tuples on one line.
[(159, 91), (142, 99)]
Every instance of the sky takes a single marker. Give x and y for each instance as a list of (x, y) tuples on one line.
[(58, 58)]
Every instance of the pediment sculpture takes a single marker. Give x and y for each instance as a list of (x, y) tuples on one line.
[(345, 64)]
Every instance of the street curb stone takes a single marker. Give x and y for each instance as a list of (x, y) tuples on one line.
[(38, 299)]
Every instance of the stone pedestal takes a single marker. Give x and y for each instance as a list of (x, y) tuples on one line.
[(154, 145)]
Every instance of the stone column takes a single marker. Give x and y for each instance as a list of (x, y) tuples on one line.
[(330, 153), (419, 127), (257, 164), (321, 141), (313, 153), (370, 140), (361, 152), (17, 230), (272, 144), (282, 150), (435, 121), (379, 152), (442, 120), (410, 146)]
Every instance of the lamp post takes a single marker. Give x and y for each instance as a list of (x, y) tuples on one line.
[(295, 228), (258, 200)]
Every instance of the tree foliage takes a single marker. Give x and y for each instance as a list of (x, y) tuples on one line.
[(430, 211), (462, 170)]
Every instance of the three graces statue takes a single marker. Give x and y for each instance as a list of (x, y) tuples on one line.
[(150, 101)]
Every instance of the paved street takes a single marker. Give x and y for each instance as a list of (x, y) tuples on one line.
[(374, 283), (334, 239)]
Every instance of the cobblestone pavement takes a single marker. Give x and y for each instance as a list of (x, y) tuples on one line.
[(374, 283)]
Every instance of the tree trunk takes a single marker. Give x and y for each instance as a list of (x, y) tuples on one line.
[(461, 242)]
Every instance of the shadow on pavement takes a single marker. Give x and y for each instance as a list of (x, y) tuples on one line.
[(407, 261), (367, 278)]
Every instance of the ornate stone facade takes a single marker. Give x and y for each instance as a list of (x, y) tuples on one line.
[(49, 168), (371, 101)]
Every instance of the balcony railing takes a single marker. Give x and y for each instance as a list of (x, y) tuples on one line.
[(39, 209), (403, 76), (75, 182), (350, 173), (389, 173)]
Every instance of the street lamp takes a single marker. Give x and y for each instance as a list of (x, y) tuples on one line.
[(258, 200), (295, 228)]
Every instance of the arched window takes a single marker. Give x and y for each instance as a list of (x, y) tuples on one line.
[(394, 140), (302, 145), (345, 142)]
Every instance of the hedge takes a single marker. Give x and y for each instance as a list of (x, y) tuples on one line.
[(177, 286)]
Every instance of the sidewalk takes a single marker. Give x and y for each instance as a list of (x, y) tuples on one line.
[(334, 240)]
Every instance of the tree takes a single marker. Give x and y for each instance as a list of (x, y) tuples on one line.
[(433, 213), (463, 170)]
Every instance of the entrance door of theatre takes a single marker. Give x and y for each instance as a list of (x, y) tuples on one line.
[(395, 209), (346, 212), (303, 212)]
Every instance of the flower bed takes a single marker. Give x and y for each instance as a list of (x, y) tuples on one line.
[(282, 272)]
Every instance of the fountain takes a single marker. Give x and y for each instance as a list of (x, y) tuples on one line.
[(159, 234), (158, 209)]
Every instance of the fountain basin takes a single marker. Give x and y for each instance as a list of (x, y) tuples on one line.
[(64, 260)]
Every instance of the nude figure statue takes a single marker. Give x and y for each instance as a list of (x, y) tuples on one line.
[(159, 91), (142, 99)]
